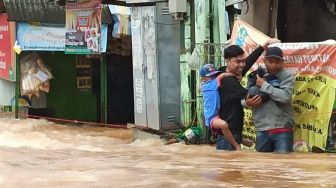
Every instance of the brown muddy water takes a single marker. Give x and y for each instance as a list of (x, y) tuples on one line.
[(37, 153)]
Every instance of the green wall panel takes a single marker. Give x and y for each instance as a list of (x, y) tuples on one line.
[(64, 99)]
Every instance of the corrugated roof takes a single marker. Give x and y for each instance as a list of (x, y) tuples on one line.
[(2, 6), (46, 11), (34, 11), (115, 2)]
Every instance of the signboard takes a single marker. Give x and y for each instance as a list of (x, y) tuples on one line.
[(83, 23), (140, 1), (6, 70), (41, 38), (48, 37)]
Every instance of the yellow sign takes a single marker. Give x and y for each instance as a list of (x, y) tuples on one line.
[(313, 100)]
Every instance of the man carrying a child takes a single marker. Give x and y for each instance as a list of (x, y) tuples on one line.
[(273, 119)]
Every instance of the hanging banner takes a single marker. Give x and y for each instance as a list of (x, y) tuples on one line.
[(314, 67), (44, 37), (247, 37), (6, 69), (83, 23), (41, 38)]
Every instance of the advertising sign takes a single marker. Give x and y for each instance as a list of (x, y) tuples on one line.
[(83, 23), (48, 37), (6, 70)]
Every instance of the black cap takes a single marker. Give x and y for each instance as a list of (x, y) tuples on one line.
[(274, 52)]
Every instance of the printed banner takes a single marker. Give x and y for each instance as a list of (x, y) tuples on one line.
[(83, 23), (247, 37), (6, 70), (46, 37), (314, 67), (41, 38)]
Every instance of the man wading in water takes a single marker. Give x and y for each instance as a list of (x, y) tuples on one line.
[(233, 95)]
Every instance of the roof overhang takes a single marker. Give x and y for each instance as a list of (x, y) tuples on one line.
[(114, 2), (45, 11)]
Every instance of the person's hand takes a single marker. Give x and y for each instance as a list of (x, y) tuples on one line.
[(271, 41), (239, 77), (254, 101), (225, 74), (259, 81)]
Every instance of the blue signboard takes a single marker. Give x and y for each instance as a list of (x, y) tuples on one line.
[(48, 37)]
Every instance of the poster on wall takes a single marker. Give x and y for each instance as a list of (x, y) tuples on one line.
[(83, 24), (144, 64), (83, 73), (6, 69)]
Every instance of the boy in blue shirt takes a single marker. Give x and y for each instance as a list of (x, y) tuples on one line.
[(210, 82)]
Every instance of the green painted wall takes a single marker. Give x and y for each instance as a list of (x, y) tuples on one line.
[(186, 98), (208, 18), (202, 35), (64, 99)]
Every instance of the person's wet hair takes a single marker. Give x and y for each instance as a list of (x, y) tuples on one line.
[(233, 51)]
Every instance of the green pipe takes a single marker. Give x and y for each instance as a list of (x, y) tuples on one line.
[(17, 86)]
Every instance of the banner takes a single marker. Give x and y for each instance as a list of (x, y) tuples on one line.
[(41, 38), (83, 23), (46, 37), (6, 69), (247, 37), (314, 67)]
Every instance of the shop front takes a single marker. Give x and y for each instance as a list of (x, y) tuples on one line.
[(72, 86)]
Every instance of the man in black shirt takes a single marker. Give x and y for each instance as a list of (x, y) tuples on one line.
[(233, 95)]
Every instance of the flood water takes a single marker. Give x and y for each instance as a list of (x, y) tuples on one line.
[(37, 153)]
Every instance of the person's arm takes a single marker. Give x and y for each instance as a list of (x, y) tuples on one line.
[(282, 94), (224, 74), (253, 57), (251, 102)]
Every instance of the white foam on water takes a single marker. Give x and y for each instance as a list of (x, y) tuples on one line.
[(41, 134)]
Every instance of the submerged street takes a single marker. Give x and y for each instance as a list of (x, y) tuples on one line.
[(37, 153)]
